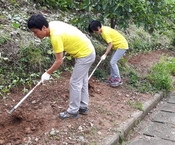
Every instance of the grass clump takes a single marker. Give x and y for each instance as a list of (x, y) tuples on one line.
[(161, 74), (160, 77), (135, 80), (137, 105)]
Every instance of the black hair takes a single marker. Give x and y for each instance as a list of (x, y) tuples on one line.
[(93, 26), (37, 21)]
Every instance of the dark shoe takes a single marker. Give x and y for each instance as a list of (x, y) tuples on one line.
[(116, 82), (64, 115), (83, 111)]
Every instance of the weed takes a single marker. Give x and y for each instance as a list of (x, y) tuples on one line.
[(158, 79), (121, 139), (133, 78), (94, 130), (109, 113), (115, 123), (160, 76), (99, 74), (3, 39), (137, 105), (100, 110), (16, 25), (57, 74)]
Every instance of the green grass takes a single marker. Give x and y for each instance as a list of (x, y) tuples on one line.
[(137, 105), (159, 78), (161, 74)]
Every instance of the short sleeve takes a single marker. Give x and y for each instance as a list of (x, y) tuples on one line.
[(57, 44)]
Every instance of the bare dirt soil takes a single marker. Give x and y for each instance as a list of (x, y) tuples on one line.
[(36, 122)]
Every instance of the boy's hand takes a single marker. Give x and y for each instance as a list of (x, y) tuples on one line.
[(45, 77), (103, 57)]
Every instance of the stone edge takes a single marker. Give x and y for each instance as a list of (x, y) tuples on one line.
[(136, 117)]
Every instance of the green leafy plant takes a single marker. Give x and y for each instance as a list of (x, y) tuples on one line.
[(160, 76), (16, 25), (133, 78), (99, 74), (3, 39), (63, 5)]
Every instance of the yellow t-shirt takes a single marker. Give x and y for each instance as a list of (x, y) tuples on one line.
[(111, 35), (65, 37)]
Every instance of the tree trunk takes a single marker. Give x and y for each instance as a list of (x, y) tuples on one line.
[(113, 22)]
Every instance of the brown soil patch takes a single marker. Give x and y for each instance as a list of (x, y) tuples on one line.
[(36, 120)]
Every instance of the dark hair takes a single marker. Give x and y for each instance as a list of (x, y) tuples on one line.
[(93, 26), (37, 21)]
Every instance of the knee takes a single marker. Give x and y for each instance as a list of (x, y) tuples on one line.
[(74, 84), (112, 63)]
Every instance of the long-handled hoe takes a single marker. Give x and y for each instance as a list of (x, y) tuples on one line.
[(15, 107), (94, 69)]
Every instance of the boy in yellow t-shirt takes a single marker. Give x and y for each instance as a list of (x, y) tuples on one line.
[(65, 37), (117, 43)]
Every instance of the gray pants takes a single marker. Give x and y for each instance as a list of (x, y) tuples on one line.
[(79, 94), (116, 55)]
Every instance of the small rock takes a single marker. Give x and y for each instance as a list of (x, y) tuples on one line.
[(2, 142), (28, 130), (91, 124), (98, 91), (99, 133), (69, 126), (81, 138), (80, 128), (127, 95), (69, 138), (36, 139), (34, 101), (53, 132)]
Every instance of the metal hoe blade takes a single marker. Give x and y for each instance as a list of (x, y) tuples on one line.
[(14, 108)]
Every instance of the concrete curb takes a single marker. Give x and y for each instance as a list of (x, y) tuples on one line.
[(136, 117)]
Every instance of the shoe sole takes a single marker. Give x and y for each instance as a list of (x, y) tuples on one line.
[(68, 117), (116, 85), (107, 82), (83, 113)]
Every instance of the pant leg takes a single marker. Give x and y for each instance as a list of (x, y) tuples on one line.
[(79, 83), (113, 62), (112, 73), (84, 93)]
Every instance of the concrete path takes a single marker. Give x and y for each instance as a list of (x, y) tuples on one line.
[(161, 129)]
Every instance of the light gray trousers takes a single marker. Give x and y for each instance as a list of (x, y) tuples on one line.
[(116, 55), (79, 94)]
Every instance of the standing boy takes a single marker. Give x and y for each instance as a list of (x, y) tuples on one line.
[(65, 37), (117, 43)]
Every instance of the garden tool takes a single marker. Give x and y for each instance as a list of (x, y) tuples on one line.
[(94, 69), (14, 108)]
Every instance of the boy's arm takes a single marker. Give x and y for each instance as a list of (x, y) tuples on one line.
[(57, 63), (108, 48), (55, 66), (103, 57)]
